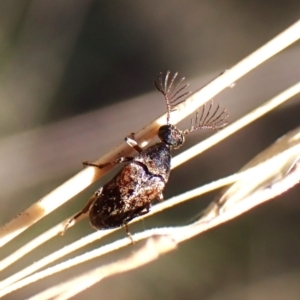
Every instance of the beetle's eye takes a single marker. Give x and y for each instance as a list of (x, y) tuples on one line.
[(171, 136)]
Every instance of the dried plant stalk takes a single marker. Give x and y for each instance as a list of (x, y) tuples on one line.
[(84, 178), (229, 208)]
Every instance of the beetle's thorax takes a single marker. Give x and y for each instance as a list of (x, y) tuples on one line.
[(157, 160)]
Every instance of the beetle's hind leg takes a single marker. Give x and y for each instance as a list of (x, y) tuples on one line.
[(84, 211)]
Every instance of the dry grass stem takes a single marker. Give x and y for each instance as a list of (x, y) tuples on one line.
[(270, 188), (239, 124), (153, 248), (275, 171), (84, 178), (278, 167), (240, 177)]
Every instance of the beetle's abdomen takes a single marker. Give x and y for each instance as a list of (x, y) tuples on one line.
[(128, 195)]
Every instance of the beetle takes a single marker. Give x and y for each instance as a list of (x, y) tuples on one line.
[(142, 180)]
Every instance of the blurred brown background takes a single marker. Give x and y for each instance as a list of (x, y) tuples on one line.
[(76, 78)]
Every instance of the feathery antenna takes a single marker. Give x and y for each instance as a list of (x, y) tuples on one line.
[(173, 92), (210, 118)]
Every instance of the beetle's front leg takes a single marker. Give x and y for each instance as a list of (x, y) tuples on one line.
[(130, 140), (111, 163)]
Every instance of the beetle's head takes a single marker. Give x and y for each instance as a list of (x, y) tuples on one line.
[(170, 135)]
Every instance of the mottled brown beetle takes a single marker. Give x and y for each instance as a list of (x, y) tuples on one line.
[(131, 192)]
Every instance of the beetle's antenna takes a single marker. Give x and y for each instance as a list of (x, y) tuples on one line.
[(173, 92), (210, 118)]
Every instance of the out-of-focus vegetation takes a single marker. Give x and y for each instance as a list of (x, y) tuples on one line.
[(73, 82)]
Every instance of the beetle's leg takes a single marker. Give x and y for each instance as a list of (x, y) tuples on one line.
[(85, 210), (111, 163), (160, 197), (133, 143), (128, 233), (143, 211)]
